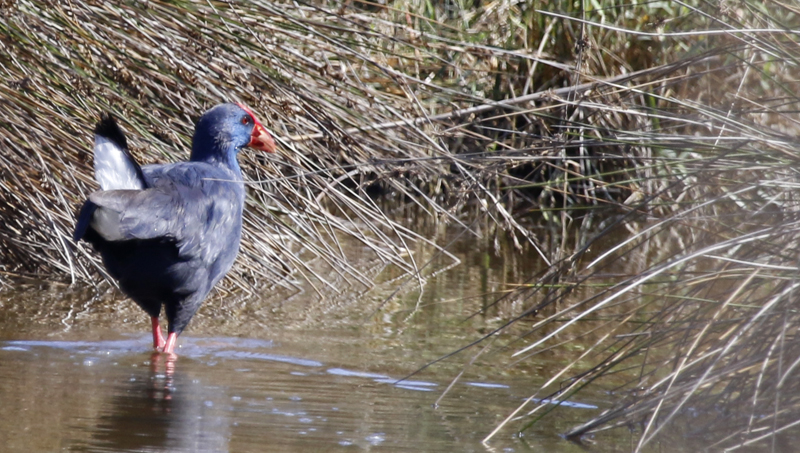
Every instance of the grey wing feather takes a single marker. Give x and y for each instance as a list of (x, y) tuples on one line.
[(135, 214), (197, 212)]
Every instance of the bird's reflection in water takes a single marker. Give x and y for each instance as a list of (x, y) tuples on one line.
[(162, 409), (162, 372)]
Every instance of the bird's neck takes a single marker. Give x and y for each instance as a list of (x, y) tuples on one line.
[(219, 154)]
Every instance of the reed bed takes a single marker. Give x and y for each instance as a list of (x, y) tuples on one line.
[(360, 102), (157, 67), (697, 336), (678, 118)]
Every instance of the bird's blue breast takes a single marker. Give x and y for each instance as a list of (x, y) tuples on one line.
[(207, 218)]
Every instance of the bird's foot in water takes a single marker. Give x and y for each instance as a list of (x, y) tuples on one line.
[(169, 347), (158, 337), (159, 343)]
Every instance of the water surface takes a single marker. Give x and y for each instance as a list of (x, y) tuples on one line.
[(283, 370)]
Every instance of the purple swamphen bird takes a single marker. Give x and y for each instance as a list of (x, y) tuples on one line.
[(169, 232)]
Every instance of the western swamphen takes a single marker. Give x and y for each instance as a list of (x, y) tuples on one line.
[(168, 233)]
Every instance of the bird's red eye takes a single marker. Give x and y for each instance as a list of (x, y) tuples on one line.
[(245, 120)]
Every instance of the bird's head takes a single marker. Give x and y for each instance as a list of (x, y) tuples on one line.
[(224, 130)]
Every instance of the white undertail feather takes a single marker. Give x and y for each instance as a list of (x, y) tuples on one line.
[(112, 168)]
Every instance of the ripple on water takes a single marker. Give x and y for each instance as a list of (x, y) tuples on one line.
[(351, 373)]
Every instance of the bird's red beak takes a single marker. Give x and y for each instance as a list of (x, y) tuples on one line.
[(260, 139)]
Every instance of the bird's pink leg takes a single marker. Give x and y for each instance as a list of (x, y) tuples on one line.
[(158, 338), (172, 338)]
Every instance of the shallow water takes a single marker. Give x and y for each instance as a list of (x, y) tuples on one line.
[(281, 371), (307, 393)]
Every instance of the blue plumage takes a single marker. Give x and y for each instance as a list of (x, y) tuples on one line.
[(168, 233)]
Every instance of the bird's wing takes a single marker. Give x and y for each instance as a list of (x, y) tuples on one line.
[(186, 203), (122, 215)]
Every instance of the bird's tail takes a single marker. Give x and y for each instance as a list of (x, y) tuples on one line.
[(84, 220), (114, 167)]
